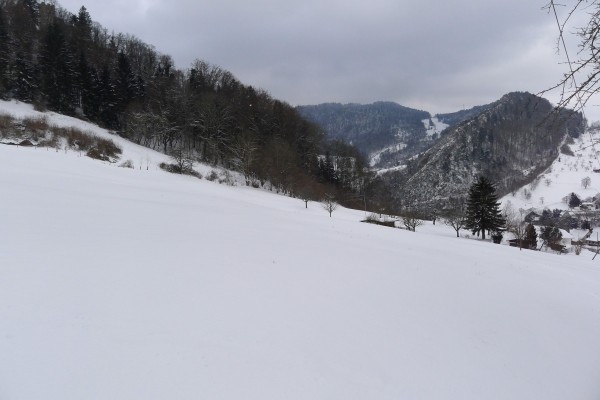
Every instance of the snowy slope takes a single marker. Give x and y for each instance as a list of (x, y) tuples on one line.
[(141, 157), (434, 126), (126, 284), (563, 177)]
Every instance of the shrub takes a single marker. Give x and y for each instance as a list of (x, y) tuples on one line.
[(76, 139), (6, 122), (127, 164), (52, 141), (372, 219), (497, 237), (565, 149), (166, 167), (97, 155), (108, 147), (227, 178), (38, 130), (212, 176), (175, 169), (36, 124)]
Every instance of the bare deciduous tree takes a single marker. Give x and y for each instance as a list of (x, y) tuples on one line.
[(581, 81), (244, 149), (456, 219), (329, 204), (411, 222), (183, 160), (578, 245), (586, 182), (515, 222)]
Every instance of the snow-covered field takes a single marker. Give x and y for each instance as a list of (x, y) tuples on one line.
[(375, 157), (434, 126), (121, 283), (563, 177)]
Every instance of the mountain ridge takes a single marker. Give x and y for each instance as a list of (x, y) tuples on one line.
[(510, 142), (387, 130)]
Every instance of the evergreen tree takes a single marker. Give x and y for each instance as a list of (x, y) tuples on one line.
[(556, 213), (4, 55), (530, 239), (84, 85), (23, 79), (586, 225), (546, 217), (125, 82), (83, 29), (57, 71), (574, 201), (483, 208), (106, 91), (24, 24), (33, 8), (326, 169), (551, 236)]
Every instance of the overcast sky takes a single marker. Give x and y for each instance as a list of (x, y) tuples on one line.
[(440, 56)]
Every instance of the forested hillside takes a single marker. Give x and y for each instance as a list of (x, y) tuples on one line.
[(386, 132), (457, 117), (511, 142), (69, 64)]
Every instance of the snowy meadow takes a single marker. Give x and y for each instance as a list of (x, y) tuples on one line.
[(119, 283)]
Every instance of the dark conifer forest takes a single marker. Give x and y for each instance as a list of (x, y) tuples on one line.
[(69, 64)]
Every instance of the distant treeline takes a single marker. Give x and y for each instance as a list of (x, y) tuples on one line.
[(69, 64)]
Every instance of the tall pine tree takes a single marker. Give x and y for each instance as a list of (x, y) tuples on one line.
[(4, 55), (87, 88), (23, 78), (530, 239), (108, 112), (483, 208), (57, 71)]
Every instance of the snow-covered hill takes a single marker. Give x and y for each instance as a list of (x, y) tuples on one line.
[(386, 132), (434, 126), (564, 177), (510, 141), (121, 283)]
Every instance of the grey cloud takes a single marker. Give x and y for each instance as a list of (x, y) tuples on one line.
[(427, 54)]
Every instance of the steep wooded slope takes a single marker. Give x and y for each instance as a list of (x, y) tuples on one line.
[(457, 117), (510, 142), (387, 132)]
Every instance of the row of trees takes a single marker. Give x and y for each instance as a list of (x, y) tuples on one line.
[(69, 64), (483, 214)]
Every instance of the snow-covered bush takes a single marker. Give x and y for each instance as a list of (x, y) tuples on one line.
[(127, 164)]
